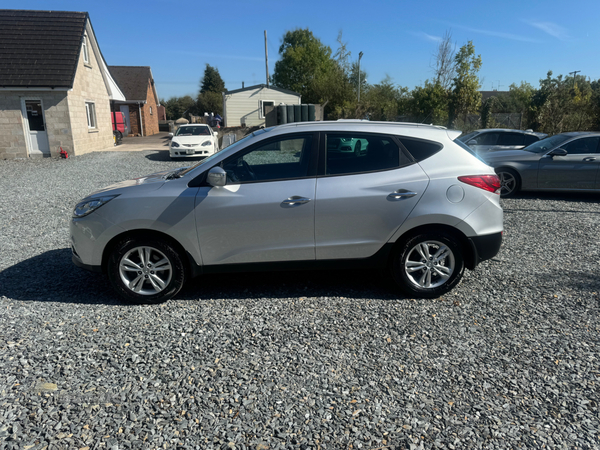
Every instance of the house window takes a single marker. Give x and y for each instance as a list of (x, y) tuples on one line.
[(90, 110), (86, 55), (151, 110), (262, 104)]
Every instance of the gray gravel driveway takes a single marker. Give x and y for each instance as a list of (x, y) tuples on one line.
[(319, 360)]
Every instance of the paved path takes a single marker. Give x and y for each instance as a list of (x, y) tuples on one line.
[(158, 141)]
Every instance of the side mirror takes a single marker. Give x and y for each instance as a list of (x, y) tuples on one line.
[(472, 142), (170, 134), (217, 177), (558, 152)]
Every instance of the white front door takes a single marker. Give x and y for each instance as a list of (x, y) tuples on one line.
[(33, 116)]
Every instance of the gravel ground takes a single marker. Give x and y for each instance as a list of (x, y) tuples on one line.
[(332, 360)]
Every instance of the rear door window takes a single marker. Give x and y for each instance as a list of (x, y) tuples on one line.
[(511, 139), (349, 152)]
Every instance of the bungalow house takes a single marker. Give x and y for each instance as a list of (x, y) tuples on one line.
[(55, 87), (141, 102), (247, 106)]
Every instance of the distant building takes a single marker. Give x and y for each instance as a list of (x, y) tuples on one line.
[(141, 102), (55, 87), (246, 106)]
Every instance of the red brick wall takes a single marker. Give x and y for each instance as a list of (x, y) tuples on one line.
[(150, 120), (134, 120)]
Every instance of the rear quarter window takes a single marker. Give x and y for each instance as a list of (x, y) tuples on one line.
[(420, 149)]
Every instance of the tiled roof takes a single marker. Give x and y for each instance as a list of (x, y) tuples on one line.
[(132, 80), (40, 48)]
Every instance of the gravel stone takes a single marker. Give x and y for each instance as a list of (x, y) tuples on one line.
[(305, 360)]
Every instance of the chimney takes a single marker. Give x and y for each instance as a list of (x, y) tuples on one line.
[(242, 85)]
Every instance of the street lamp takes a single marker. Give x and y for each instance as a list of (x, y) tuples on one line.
[(359, 56)]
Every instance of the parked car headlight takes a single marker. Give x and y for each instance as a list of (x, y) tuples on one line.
[(206, 143), (87, 206), (174, 144)]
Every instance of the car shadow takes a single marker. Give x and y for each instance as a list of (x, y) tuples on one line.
[(163, 155), (52, 277)]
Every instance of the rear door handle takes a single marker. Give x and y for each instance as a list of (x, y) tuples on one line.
[(401, 194), (295, 201), (589, 159)]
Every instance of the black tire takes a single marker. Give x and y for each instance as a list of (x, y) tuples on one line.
[(130, 270), (357, 148), (510, 182), (419, 274)]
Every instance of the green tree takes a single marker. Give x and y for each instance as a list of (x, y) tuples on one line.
[(465, 97), (210, 97), (178, 107), (306, 66), (429, 103), (211, 81)]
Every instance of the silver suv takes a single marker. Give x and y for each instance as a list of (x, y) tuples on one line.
[(412, 200)]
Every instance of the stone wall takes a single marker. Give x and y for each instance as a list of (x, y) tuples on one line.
[(89, 87), (12, 128)]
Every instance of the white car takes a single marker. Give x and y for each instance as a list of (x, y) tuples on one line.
[(193, 140)]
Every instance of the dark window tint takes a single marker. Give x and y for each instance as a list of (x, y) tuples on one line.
[(487, 139), (530, 139), (511, 139), (355, 153), (279, 159), (582, 146), (420, 149)]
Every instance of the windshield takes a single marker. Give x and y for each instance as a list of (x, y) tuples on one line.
[(547, 144), (192, 131), (466, 137)]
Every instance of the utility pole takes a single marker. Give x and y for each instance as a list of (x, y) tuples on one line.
[(574, 73), (267, 59), (360, 55), (498, 85)]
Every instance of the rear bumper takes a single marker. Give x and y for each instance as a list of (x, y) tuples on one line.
[(485, 247)]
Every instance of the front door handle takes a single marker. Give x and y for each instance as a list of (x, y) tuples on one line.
[(589, 159), (295, 201), (401, 194)]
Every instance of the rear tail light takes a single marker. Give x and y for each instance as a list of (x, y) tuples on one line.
[(489, 183)]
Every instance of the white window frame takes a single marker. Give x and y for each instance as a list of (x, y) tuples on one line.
[(90, 112), (151, 110), (86, 54), (261, 107)]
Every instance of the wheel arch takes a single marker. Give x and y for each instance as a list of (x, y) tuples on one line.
[(467, 246), (191, 267)]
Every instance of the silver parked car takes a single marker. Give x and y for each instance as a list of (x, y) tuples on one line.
[(409, 200), (496, 139), (564, 162)]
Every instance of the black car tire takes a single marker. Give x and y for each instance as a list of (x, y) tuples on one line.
[(146, 270), (510, 182), (413, 268)]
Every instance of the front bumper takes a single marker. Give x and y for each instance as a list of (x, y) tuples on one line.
[(182, 152)]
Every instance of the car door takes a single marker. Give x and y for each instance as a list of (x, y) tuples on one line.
[(363, 197), (265, 212), (578, 169)]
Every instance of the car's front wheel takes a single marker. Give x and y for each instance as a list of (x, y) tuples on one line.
[(146, 270), (428, 265)]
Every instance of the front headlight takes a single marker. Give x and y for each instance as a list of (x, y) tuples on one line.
[(206, 143), (87, 206), (174, 144)]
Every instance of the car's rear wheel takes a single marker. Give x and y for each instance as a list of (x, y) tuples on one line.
[(510, 182), (146, 270), (428, 265)]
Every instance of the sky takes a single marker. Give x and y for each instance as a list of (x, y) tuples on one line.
[(517, 40)]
